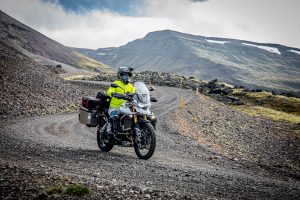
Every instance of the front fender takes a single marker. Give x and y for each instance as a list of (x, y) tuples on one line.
[(142, 121)]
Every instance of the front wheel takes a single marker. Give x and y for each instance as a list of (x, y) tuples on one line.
[(103, 143), (145, 149)]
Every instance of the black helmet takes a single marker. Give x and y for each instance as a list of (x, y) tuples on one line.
[(124, 73)]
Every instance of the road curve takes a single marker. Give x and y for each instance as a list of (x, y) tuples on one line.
[(63, 145)]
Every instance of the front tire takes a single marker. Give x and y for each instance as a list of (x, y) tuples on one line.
[(103, 146), (148, 142)]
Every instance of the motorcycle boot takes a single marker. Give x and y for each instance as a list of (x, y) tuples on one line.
[(109, 129), (116, 125)]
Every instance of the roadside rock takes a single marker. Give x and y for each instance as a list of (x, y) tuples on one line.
[(56, 69), (258, 102)]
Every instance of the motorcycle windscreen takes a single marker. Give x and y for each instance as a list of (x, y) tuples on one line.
[(142, 92)]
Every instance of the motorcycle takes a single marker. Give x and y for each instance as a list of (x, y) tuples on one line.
[(136, 126)]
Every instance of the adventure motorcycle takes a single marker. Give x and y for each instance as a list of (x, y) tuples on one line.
[(136, 124)]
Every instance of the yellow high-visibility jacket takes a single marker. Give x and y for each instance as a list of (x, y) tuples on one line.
[(116, 103)]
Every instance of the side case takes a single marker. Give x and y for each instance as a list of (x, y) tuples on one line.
[(88, 117), (88, 111)]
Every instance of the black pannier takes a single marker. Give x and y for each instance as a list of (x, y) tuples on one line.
[(90, 103), (91, 107)]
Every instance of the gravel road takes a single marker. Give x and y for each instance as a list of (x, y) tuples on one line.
[(180, 167)]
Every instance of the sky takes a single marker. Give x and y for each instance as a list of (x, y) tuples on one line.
[(111, 23)]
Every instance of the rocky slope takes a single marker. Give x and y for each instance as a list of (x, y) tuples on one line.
[(28, 88), (43, 49), (254, 65), (271, 145)]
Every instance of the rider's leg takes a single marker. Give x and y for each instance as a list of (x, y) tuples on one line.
[(113, 116)]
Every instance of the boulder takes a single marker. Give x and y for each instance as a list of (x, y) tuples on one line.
[(226, 91), (213, 81), (233, 99), (215, 91), (259, 102)]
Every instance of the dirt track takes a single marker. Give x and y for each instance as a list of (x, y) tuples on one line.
[(59, 145)]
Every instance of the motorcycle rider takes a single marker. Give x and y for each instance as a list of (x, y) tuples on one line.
[(124, 74)]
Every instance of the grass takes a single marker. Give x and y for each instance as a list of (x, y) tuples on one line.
[(78, 76), (55, 189), (269, 113), (74, 190), (77, 190), (91, 64), (277, 102), (276, 107)]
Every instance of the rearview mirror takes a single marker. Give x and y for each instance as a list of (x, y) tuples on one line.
[(131, 69), (153, 99), (114, 85)]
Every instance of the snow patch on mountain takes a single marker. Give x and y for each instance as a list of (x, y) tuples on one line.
[(270, 49), (294, 51), (217, 41)]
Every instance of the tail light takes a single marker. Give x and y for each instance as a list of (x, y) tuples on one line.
[(84, 102)]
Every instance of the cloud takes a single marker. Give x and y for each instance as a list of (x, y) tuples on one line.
[(94, 29), (186, 16), (265, 21), (198, 0), (254, 20)]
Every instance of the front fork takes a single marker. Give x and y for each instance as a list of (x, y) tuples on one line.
[(137, 129), (138, 133)]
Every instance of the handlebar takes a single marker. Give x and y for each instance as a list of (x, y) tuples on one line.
[(127, 96)]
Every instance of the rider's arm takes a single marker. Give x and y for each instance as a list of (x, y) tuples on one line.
[(132, 90), (110, 90)]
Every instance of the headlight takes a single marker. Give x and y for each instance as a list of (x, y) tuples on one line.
[(142, 105), (143, 97)]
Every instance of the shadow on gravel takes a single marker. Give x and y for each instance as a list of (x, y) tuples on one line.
[(91, 155)]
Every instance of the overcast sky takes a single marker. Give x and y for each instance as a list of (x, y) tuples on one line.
[(110, 23)]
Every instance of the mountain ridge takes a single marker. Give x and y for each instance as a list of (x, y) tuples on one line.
[(42, 48), (239, 62)]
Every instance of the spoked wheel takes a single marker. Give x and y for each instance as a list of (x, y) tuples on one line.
[(103, 142), (146, 147)]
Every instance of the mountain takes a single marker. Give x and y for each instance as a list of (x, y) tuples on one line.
[(43, 49), (254, 65)]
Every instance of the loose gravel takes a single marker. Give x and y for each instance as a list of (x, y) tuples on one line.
[(202, 149), (181, 168)]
